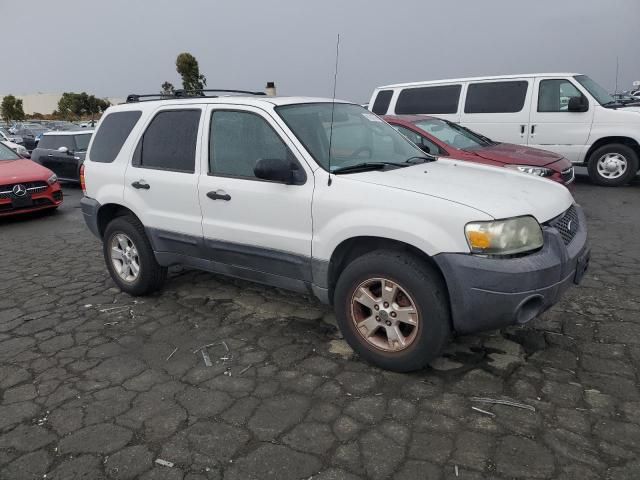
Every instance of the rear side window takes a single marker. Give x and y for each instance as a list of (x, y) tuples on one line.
[(429, 100), (47, 141), (496, 97), (111, 135), (381, 105), (169, 143)]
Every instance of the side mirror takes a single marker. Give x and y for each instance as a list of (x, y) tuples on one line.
[(63, 150), (277, 170), (425, 148), (578, 104)]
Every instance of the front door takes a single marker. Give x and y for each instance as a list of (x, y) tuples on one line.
[(161, 184), (260, 229), (552, 126)]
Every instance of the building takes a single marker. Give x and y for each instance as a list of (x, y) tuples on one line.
[(46, 103)]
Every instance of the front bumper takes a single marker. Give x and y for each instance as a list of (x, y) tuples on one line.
[(51, 197), (489, 293)]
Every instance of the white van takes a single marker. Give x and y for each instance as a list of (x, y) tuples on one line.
[(564, 112)]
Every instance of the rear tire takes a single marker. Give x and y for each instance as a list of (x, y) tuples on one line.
[(612, 165), (385, 333), (130, 258)]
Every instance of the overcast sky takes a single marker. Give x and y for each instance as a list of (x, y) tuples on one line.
[(115, 47)]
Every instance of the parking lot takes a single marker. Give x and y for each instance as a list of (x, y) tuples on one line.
[(97, 384)]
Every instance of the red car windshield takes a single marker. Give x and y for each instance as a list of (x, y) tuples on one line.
[(7, 154), (452, 134)]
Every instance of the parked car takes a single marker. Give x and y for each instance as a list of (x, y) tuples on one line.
[(30, 135), (406, 247), (626, 100), (19, 149), (26, 186), (589, 129), (63, 152), (442, 137), (7, 136)]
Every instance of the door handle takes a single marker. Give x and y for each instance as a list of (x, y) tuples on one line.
[(141, 184), (219, 195), (523, 129), (533, 129)]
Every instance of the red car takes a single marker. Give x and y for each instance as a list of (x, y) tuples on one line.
[(26, 186), (441, 137)]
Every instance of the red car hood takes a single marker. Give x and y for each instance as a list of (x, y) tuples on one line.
[(17, 171), (510, 153)]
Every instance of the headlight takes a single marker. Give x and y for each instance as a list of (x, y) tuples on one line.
[(538, 171), (52, 179), (504, 237)]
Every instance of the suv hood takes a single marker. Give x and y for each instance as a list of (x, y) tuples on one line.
[(511, 154), (16, 171), (498, 192)]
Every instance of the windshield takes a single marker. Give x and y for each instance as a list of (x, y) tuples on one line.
[(452, 134), (7, 154), (599, 93), (358, 135), (82, 142)]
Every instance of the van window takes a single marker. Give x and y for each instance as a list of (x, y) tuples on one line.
[(429, 100), (554, 95), (169, 143), (111, 135), (381, 105), (496, 97)]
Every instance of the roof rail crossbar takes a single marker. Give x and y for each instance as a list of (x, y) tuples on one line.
[(135, 98)]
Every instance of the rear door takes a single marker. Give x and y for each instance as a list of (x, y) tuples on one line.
[(161, 183), (64, 164), (499, 109), (262, 228), (553, 127)]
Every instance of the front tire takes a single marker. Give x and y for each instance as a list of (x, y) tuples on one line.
[(130, 259), (612, 165), (392, 309)]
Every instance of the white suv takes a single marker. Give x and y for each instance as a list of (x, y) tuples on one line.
[(326, 198)]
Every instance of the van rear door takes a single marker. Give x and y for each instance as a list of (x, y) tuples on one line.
[(552, 125), (499, 109)]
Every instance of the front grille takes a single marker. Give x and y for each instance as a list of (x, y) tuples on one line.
[(567, 224), (6, 191), (38, 202), (567, 175)]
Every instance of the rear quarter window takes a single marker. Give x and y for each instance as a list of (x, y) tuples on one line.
[(113, 132), (429, 100), (47, 141), (381, 104)]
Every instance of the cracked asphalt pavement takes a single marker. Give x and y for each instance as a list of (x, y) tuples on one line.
[(96, 384)]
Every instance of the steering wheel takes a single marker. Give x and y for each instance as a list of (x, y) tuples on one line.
[(361, 150)]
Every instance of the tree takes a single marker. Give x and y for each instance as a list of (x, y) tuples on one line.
[(76, 105), (167, 89), (11, 109), (66, 105), (187, 67)]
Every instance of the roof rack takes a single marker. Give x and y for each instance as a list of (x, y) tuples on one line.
[(179, 94)]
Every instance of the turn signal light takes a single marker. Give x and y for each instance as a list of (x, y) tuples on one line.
[(82, 184)]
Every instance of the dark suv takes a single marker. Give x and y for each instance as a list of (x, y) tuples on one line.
[(63, 153)]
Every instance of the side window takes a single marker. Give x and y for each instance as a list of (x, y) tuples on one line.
[(496, 97), (169, 142), (554, 95), (237, 140), (47, 142), (418, 139), (381, 104), (111, 135), (65, 141), (429, 100)]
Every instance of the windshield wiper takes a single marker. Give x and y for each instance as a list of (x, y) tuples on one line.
[(361, 167), (424, 159)]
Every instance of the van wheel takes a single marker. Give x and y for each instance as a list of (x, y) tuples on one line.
[(612, 165), (129, 257), (392, 309)]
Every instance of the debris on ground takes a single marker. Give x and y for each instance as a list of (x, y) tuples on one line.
[(206, 358), (164, 463), (245, 369), (491, 414), (510, 403), (171, 354)]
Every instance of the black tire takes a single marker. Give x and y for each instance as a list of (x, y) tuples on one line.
[(151, 275), (623, 150), (422, 283)]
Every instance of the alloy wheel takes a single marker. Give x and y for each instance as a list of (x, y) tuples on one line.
[(124, 257)]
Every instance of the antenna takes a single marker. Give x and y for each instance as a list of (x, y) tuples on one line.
[(333, 105), (616, 74)]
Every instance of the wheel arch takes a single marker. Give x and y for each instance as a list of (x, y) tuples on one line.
[(601, 142), (354, 247), (108, 212)]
